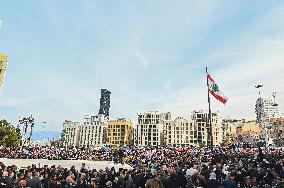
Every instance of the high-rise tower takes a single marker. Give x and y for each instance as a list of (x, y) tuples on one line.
[(105, 102), (266, 109), (3, 68)]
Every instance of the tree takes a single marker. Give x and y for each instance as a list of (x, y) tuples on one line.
[(9, 135), (223, 144), (202, 145), (56, 143)]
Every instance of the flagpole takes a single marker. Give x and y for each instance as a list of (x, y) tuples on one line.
[(210, 133)]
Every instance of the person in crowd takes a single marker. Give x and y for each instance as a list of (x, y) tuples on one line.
[(33, 181), (154, 183), (167, 167), (6, 180), (115, 183), (212, 182), (82, 182), (10, 179), (22, 184), (230, 182)]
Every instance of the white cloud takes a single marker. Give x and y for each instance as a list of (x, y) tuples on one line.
[(250, 60), (151, 56)]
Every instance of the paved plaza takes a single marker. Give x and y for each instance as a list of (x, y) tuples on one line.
[(23, 163)]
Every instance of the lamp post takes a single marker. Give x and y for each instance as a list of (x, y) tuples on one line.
[(26, 121), (43, 130)]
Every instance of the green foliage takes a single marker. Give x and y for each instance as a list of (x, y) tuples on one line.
[(56, 143), (10, 135), (201, 145), (223, 144)]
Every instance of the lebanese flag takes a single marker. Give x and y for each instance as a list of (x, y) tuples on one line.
[(214, 90)]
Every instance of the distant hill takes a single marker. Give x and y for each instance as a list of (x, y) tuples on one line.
[(46, 135)]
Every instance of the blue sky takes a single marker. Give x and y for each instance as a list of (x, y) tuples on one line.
[(151, 54)]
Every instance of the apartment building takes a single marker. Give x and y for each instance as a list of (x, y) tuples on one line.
[(149, 130), (93, 132), (3, 68), (202, 127), (266, 109), (249, 132), (120, 132), (229, 128), (71, 133), (179, 132)]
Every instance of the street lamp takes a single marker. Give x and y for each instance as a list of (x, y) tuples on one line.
[(26, 121)]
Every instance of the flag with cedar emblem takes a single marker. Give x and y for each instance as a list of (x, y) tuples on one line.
[(215, 90)]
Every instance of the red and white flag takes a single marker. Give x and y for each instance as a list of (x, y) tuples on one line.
[(214, 90)]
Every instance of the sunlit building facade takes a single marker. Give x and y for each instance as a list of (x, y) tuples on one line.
[(201, 128), (93, 132), (179, 132), (149, 130), (120, 132), (3, 68), (70, 133)]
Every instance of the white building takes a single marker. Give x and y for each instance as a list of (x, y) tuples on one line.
[(179, 132), (70, 133), (201, 128), (93, 132), (149, 130), (266, 109)]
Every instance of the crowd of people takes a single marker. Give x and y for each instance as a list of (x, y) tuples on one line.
[(156, 167)]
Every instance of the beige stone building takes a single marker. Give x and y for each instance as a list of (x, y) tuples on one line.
[(93, 132), (277, 127), (179, 132), (150, 128), (229, 127), (71, 133), (201, 128), (249, 132), (120, 132), (3, 68)]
